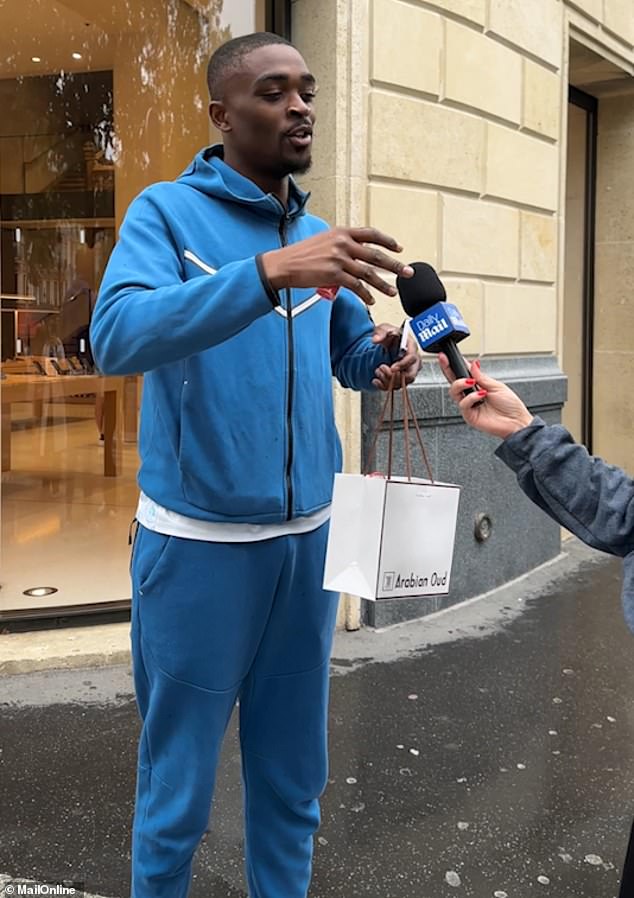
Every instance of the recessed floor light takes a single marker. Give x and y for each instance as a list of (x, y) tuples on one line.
[(39, 592), (76, 55), (36, 59)]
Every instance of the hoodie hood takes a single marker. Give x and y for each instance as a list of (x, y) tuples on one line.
[(210, 174)]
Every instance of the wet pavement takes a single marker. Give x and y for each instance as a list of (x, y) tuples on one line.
[(488, 753)]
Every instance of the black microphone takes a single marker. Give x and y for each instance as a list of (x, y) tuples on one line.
[(437, 325)]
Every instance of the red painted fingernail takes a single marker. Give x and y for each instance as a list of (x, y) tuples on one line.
[(477, 363), (470, 382), (483, 393)]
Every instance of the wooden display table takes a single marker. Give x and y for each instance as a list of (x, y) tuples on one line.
[(39, 388)]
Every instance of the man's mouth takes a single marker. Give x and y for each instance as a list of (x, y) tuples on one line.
[(300, 137)]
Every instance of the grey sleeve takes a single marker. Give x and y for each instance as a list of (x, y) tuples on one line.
[(592, 499)]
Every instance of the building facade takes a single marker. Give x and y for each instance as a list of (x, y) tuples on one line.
[(99, 100), (494, 138)]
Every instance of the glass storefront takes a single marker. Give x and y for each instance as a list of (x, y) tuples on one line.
[(95, 106)]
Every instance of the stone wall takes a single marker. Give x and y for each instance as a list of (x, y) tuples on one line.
[(443, 122)]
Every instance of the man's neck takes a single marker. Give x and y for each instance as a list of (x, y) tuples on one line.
[(277, 187)]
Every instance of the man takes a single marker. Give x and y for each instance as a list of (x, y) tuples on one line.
[(211, 292)]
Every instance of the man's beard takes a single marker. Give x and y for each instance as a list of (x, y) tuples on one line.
[(289, 167)]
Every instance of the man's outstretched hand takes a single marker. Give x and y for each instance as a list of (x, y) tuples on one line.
[(341, 257)]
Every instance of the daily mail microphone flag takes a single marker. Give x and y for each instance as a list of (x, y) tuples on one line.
[(436, 324), (391, 537)]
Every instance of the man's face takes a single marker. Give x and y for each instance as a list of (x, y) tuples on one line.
[(267, 112)]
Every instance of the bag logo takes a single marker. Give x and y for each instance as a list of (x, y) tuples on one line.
[(392, 580), (388, 581)]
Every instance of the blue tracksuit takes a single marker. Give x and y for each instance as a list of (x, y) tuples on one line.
[(237, 425)]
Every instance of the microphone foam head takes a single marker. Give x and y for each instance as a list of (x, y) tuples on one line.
[(421, 291)]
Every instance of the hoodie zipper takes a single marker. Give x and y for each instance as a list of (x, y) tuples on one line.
[(291, 382)]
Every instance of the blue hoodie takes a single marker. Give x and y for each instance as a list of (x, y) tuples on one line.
[(237, 418)]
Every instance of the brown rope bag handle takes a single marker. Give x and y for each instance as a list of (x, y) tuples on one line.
[(407, 411)]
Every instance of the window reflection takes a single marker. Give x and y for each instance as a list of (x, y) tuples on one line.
[(94, 110)]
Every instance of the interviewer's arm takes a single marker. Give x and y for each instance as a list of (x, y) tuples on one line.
[(591, 498)]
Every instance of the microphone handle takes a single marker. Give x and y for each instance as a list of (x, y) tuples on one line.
[(457, 362)]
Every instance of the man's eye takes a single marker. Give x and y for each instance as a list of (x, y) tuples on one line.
[(272, 97), (309, 96)]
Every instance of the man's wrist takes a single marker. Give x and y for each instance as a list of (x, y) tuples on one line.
[(269, 289), (272, 266)]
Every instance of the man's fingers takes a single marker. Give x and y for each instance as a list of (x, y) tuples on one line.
[(378, 259), (409, 359), (366, 273), (410, 367), (387, 334), (373, 235), (383, 376), (381, 383), (357, 286), (406, 370), (410, 352), (396, 374)]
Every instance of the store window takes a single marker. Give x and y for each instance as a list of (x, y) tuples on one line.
[(95, 107)]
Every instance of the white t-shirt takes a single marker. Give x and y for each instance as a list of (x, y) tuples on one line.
[(162, 520)]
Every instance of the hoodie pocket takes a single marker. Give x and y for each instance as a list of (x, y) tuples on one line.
[(231, 448)]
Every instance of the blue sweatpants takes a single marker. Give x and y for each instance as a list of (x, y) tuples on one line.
[(213, 623)]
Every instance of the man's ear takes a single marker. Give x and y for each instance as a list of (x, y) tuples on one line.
[(218, 116)]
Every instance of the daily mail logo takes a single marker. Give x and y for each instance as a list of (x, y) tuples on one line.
[(439, 321), (431, 326)]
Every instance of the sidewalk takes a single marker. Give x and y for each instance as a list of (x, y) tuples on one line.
[(484, 752), (64, 649)]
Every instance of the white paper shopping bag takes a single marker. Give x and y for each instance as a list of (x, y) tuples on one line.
[(391, 537)]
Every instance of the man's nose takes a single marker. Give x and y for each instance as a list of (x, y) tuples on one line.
[(297, 107)]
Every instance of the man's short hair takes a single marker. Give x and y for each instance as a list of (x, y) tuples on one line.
[(226, 60)]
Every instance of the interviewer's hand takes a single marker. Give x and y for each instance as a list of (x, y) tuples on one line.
[(502, 412), (405, 369), (341, 257)]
